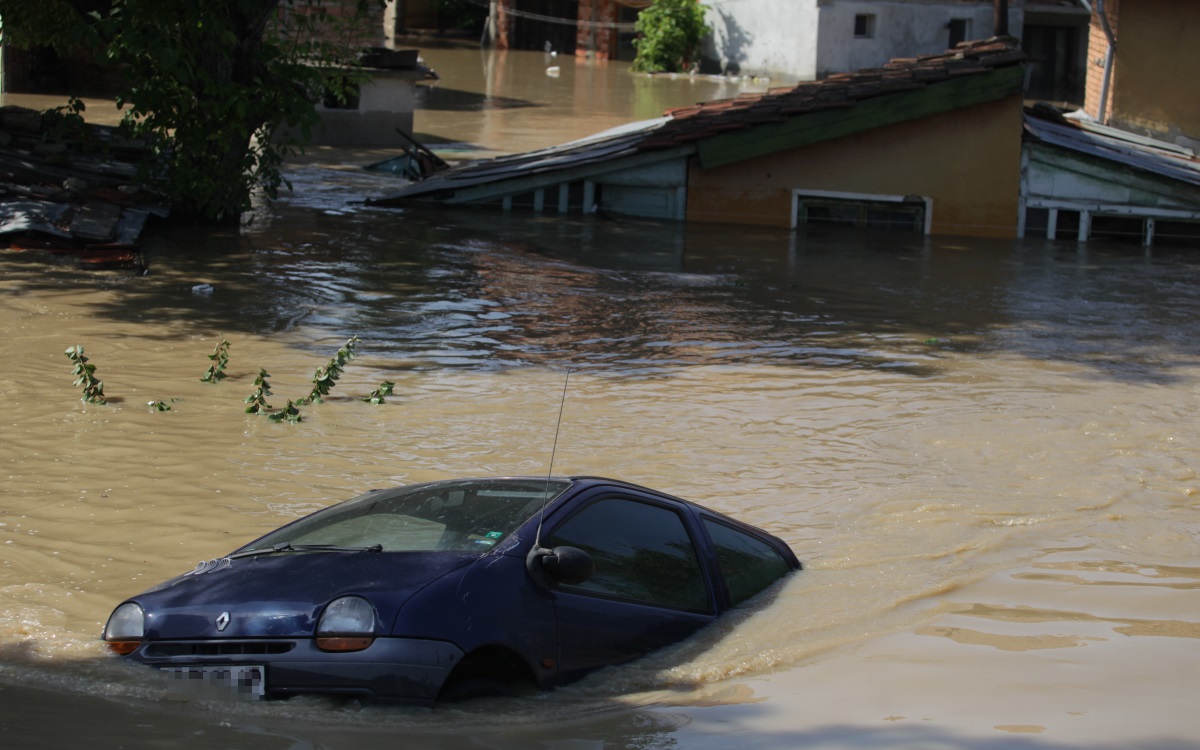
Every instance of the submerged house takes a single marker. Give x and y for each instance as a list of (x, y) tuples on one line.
[(929, 144), (378, 107)]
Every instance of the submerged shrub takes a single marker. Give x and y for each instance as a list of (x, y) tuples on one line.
[(325, 377), (220, 358), (380, 394), (85, 377), (257, 400), (288, 413)]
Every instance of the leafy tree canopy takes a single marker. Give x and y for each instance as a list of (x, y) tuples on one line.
[(217, 86), (669, 36)]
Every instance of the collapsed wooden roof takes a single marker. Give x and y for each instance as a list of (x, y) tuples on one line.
[(66, 186)]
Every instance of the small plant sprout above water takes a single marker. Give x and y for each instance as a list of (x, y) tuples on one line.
[(256, 403), (288, 413), (85, 377), (378, 395), (258, 399), (220, 358), (325, 377)]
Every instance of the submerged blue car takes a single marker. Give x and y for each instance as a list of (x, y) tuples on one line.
[(449, 590)]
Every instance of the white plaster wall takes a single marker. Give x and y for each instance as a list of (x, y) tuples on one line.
[(385, 103), (903, 28), (809, 39), (776, 38)]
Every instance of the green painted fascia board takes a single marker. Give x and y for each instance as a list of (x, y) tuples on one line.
[(868, 114), (1145, 188)]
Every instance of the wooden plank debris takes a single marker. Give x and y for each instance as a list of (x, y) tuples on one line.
[(70, 189)]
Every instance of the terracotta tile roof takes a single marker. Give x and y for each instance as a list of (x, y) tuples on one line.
[(688, 124)]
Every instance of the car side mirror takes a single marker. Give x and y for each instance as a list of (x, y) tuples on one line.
[(569, 565)]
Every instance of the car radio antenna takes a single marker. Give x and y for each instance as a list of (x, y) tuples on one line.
[(553, 451)]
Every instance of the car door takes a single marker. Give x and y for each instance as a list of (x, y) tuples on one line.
[(649, 589)]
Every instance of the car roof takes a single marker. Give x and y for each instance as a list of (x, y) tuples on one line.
[(585, 481), (591, 480)]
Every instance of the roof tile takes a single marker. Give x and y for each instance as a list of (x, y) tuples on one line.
[(838, 90)]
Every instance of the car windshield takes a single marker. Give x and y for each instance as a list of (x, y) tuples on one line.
[(459, 515)]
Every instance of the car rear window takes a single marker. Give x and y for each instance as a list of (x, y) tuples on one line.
[(455, 515), (748, 565)]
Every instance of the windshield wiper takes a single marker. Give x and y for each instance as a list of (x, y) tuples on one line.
[(289, 547)]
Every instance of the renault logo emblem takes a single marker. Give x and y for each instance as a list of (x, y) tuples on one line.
[(222, 621)]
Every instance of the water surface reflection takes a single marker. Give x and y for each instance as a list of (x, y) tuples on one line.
[(917, 418), (506, 100), (484, 289)]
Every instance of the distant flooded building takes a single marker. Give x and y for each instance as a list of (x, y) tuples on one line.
[(812, 39), (599, 28)]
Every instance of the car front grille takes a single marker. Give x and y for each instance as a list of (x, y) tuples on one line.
[(217, 648)]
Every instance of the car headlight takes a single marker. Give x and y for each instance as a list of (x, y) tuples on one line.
[(347, 624), (126, 628)]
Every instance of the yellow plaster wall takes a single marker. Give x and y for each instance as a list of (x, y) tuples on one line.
[(1156, 67), (968, 161)]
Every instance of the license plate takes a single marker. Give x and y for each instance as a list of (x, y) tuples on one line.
[(238, 683)]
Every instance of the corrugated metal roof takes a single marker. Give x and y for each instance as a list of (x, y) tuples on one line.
[(1145, 154), (602, 147), (609, 144)]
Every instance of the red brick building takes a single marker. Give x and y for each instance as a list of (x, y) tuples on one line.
[(597, 28), (1141, 82)]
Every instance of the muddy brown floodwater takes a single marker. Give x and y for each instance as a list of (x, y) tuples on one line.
[(985, 452)]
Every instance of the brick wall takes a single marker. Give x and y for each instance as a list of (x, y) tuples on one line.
[(369, 33), (600, 41), (503, 24), (1096, 53)]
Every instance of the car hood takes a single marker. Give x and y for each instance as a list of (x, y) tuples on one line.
[(281, 595)]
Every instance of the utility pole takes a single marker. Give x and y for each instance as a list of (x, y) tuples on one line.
[(1001, 18)]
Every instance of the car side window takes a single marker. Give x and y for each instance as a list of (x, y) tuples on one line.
[(641, 551), (748, 565)]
